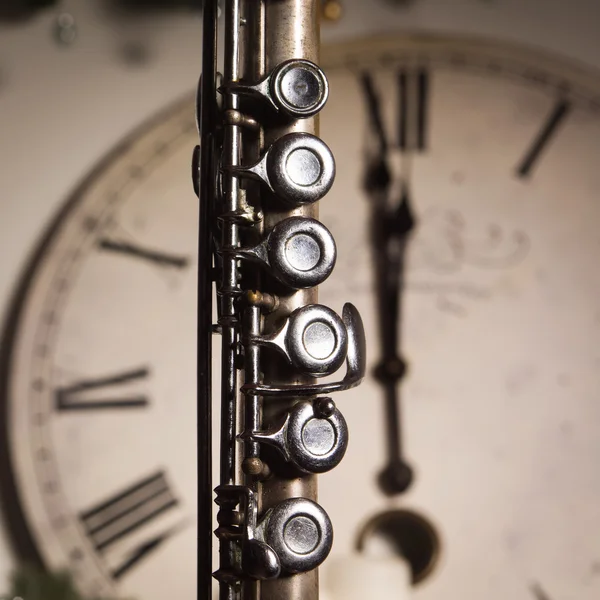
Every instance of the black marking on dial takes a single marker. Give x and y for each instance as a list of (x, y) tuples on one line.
[(374, 110), (143, 550), (127, 511), (154, 256), (413, 104), (73, 397), (542, 140)]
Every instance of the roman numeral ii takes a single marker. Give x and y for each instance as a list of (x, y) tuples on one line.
[(109, 392)]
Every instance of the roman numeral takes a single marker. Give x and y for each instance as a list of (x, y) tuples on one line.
[(412, 106), (133, 523), (544, 137), (374, 110), (103, 393), (162, 259)]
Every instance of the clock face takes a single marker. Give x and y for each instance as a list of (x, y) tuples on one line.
[(500, 328)]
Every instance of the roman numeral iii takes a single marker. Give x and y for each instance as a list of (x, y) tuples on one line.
[(129, 525)]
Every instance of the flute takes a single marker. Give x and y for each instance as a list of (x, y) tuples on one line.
[(261, 171)]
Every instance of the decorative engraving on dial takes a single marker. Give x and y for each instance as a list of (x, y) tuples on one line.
[(118, 519), (103, 393)]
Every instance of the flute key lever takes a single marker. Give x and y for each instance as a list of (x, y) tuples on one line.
[(356, 366), (313, 339), (299, 251), (297, 88), (298, 168), (295, 536), (313, 436)]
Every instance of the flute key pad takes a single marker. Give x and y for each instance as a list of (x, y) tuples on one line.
[(313, 338), (313, 440), (299, 169), (300, 532), (301, 252)]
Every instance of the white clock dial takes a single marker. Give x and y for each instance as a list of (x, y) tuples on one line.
[(103, 435), (500, 329)]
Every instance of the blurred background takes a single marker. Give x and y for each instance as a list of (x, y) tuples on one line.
[(499, 322)]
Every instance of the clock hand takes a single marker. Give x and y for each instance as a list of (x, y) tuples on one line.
[(391, 230)]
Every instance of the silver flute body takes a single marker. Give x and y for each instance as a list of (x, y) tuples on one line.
[(262, 171)]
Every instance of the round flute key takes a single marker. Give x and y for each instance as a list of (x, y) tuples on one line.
[(300, 533), (317, 340), (300, 168), (302, 252), (299, 88), (316, 444)]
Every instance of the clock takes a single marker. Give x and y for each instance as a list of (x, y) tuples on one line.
[(500, 331)]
